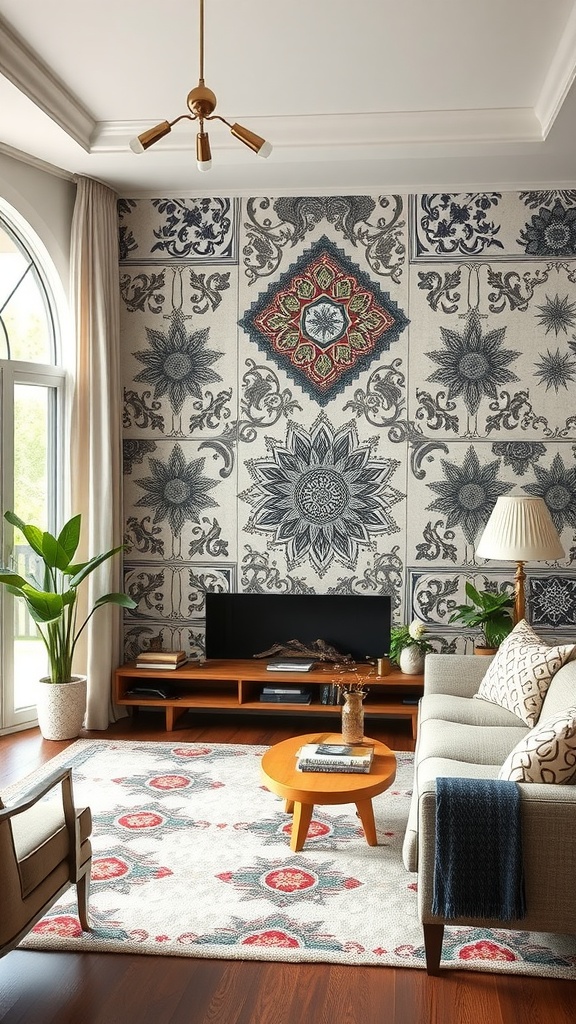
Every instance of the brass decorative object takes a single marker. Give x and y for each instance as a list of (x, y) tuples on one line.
[(201, 102)]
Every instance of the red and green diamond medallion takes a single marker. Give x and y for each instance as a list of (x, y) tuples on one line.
[(324, 321)]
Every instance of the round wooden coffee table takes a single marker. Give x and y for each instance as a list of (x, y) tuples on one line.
[(301, 790)]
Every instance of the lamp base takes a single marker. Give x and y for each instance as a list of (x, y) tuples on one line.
[(519, 594)]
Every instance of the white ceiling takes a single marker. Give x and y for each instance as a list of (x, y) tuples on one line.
[(376, 94)]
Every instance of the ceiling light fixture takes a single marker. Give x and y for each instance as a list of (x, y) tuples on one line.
[(201, 101)]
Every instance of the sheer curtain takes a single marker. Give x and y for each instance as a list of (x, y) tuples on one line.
[(96, 452)]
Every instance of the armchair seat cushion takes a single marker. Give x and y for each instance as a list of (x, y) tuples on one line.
[(41, 840)]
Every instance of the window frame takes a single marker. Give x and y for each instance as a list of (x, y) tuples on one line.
[(14, 372)]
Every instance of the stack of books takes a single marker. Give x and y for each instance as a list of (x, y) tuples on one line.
[(285, 695), (161, 659), (334, 757)]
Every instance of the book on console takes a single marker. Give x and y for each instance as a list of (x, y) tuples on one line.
[(161, 666), (290, 664), (285, 698), (162, 657), (285, 689)]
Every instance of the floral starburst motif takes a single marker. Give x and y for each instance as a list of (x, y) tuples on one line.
[(322, 495), (473, 364), (557, 486), (177, 490), (555, 370), (557, 314), (551, 232), (468, 493), (177, 363), (324, 321)]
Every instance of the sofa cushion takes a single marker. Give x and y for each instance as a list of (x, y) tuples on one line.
[(449, 708), (546, 754), (467, 744), (519, 675), (561, 693)]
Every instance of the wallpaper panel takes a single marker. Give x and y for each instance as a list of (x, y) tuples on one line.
[(328, 394)]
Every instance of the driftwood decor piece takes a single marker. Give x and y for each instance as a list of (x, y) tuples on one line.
[(318, 649)]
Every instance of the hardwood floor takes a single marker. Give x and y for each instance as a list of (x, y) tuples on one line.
[(89, 988)]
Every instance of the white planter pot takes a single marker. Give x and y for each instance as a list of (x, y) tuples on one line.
[(61, 708), (412, 660)]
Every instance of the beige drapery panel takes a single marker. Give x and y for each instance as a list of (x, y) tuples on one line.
[(96, 452)]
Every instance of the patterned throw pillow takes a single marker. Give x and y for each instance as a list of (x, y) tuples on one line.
[(520, 674), (546, 754)]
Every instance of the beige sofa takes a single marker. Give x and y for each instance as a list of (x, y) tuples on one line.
[(462, 737)]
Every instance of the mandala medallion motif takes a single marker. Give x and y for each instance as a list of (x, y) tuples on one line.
[(322, 495), (324, 321)]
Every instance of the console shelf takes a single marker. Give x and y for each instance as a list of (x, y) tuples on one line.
[(235, 685)]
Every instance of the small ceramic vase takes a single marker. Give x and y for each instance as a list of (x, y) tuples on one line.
[(412, 660)]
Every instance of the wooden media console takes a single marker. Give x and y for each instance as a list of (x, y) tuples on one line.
[(235, 685)]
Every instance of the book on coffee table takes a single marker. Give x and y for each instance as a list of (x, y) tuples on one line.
[(334, 757), (349, 769)]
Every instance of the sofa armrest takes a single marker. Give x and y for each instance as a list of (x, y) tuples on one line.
[(456, 674), (549, 856)]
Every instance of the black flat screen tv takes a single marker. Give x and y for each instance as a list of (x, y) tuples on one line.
[(244, 625)]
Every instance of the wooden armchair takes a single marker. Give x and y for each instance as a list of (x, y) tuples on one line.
[(44, 848)]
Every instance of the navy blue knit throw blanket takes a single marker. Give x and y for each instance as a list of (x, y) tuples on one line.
[(478, 857)]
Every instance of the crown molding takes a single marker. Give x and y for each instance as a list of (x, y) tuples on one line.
[(34, 161), (312, 131), (561, 75), (35, 80)]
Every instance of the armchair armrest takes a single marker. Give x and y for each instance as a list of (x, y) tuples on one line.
[(456, 674), (63, 779)]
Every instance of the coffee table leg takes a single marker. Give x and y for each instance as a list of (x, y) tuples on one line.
[(366, 814), (300, 825), (288, 806)]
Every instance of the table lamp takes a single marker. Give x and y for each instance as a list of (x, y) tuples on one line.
[(520, 530)]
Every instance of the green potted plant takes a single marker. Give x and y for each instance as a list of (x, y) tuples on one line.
[(52, 605), (490, 612), (408, 647)]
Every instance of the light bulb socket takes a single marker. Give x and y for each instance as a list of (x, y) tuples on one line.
[(148, 138), (203, 154), (254, 142)]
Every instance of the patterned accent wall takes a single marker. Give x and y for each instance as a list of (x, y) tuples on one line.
[(329, 394)]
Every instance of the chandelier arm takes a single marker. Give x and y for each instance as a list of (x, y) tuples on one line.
[(183, 117)]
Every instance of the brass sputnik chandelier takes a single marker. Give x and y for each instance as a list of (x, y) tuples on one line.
[(201, 101)]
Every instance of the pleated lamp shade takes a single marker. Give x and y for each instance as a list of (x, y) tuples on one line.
[(520, 530)]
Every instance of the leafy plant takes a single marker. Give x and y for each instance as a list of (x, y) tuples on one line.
[(52, 603), (489, 611), (407, 636)]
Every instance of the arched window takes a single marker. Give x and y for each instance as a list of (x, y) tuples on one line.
[(32, 391)]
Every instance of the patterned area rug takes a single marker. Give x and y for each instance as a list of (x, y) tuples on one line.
[(191, 858)]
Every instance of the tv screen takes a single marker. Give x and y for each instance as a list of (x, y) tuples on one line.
[(243, 625)]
